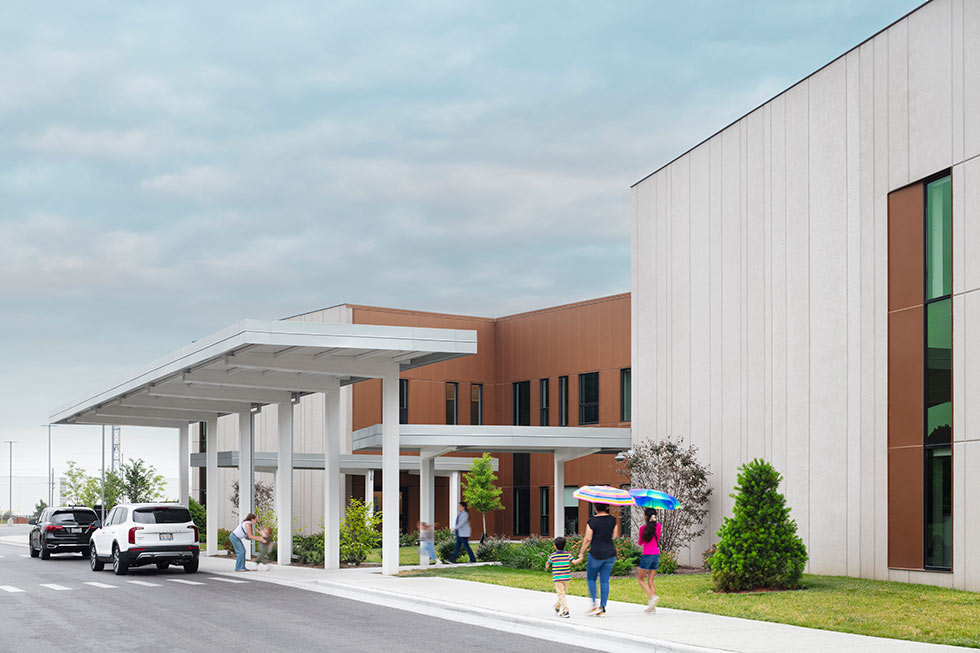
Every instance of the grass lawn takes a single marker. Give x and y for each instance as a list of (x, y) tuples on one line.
[(851, 605), (407, 555)]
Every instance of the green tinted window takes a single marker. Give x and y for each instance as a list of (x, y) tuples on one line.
[(939, 383), (939, 508), (939, 264)]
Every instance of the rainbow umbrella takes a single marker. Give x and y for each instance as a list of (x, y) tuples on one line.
[(654, 499), (603, 494)]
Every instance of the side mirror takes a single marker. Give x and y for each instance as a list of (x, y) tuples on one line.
[(96, 524), (31, 522)]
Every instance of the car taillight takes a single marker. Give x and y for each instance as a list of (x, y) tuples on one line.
[(132, 533), (52, 527), (197, 535)]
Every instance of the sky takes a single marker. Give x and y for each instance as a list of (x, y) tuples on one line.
[(167, 169)]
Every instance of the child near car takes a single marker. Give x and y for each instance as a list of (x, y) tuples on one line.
[(264, 549), (560, 562)]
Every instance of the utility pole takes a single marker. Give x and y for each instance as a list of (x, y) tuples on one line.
[(116, 457), (10, 478), (102, 519), (50, 469)]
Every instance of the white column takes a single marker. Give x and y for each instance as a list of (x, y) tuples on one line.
[(284, 483), (559, 496), (211, 474), (369, 491), (333, 488), (427, 489), (183, 464), (453, 498), (246, 470), (390, 473)]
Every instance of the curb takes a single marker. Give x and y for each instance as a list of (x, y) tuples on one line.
[(610, 637)]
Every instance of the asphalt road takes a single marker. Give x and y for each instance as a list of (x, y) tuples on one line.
[(148, 610)]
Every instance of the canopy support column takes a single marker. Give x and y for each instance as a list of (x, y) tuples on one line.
[(389, 473), (333, 484), (183, 464), (427, 482), (284, 483), (562, 456), (369, 491), (453, 497), (212, 494), (246, 470)]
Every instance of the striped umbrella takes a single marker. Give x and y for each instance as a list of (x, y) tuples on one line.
[(603, 494), (654, 499)]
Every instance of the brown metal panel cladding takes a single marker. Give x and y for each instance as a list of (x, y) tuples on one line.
[(905, 247), (905, 507), (905, 378)]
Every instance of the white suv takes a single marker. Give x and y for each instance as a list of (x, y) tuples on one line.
[(144, 534)]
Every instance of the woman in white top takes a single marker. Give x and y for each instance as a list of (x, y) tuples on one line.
[(242, 532)]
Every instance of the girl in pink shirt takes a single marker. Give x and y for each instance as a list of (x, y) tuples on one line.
[(650, 556)]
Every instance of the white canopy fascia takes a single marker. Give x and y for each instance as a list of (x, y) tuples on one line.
[(266, 461), (261, 362)]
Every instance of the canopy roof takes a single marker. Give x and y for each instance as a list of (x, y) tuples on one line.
[(267, 461), (261, 362)]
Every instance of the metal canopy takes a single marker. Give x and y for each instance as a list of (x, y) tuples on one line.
[(266, 461), (261, 362), (435, 439)]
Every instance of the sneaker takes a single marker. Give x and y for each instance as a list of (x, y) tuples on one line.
[(594, 611), (601, 612), (652, 605), (564, 615)]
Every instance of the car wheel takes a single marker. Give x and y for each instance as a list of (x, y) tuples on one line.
[(44, 553), (119, 568), (34, 552), (162, 566), (97, 565), (191, 567)]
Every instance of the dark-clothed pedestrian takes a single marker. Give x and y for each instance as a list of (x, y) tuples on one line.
[(462, 530), (600, 532)]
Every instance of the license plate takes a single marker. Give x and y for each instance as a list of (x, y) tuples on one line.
[(166, 536), (74, 530)]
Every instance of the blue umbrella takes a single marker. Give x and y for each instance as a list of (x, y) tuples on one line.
[(654, 499)]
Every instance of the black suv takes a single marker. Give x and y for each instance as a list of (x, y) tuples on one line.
[(62, 530)]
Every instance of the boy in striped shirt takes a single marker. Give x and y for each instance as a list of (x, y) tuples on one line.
[(560, 562)]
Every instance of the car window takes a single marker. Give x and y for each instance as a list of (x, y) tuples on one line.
[(82, 517), (120, 515), (111, 517), (161, 515)]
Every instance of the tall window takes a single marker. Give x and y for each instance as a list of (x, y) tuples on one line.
[(403, 401), (562, 401), (452, 408), (544, 403), (938, 378), (588, 398), (476, 403), (522, 403), (522, 494), (545, 509), (625, 395)]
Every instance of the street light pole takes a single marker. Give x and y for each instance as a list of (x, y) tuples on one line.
[(50, 468), (10, 478), (102, 520)]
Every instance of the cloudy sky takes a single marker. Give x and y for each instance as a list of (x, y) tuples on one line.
[(167, 169)]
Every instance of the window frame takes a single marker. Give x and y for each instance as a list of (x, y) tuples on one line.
[(626, 394), (519, 418), (563, 400), (478, 404), (583, 405), (544, 402), (455, 403), (403, 401)]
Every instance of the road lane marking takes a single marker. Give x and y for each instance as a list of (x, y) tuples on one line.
[(227, 580), (10, 588), (102, 585), (3, 556), (24, 555), (53, 586), (185, 582), (143, 583)]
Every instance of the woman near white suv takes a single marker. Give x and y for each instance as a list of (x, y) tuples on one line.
[(244, 531)]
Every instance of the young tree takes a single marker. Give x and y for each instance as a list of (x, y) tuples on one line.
[(91, 494), (74, 487), (479, 491), (39, 508), (140, 482), (359, 532), (264, 496), (667, 465), (758, 545)]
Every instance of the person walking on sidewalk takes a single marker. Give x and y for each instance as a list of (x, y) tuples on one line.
[(462, 529), (600, 532), (427, 543), (650, 557), (561, 573), (244, 531)]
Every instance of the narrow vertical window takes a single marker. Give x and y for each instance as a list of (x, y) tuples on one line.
[(938, 386), (522, 403), (476, 403), (522, 493), (545, 510), (452, 412), (625, 395), (543, 403), (562, 401), (588, 398), (403, 401)]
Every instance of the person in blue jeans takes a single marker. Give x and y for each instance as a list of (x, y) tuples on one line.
[(243, 532), (600, 532), (462, 529)]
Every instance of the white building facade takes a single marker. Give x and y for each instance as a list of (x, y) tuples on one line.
[(765, 316)]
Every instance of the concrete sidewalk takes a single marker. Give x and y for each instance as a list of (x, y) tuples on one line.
[(529, 612)]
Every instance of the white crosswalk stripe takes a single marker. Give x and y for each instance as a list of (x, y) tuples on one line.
[(10, 588), (54, 586), (227, 580), (185, 582), (3, 556), (24, 555), (102, 585), (143, 583)]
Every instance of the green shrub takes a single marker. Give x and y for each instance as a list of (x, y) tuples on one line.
[(359, 532), (445, 535), (408, 539), (491, 549), (706, 556), (444, 549), (199, 515), (758, 546), (308, 549), (668, 562), (223, 542), (532, 553)]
